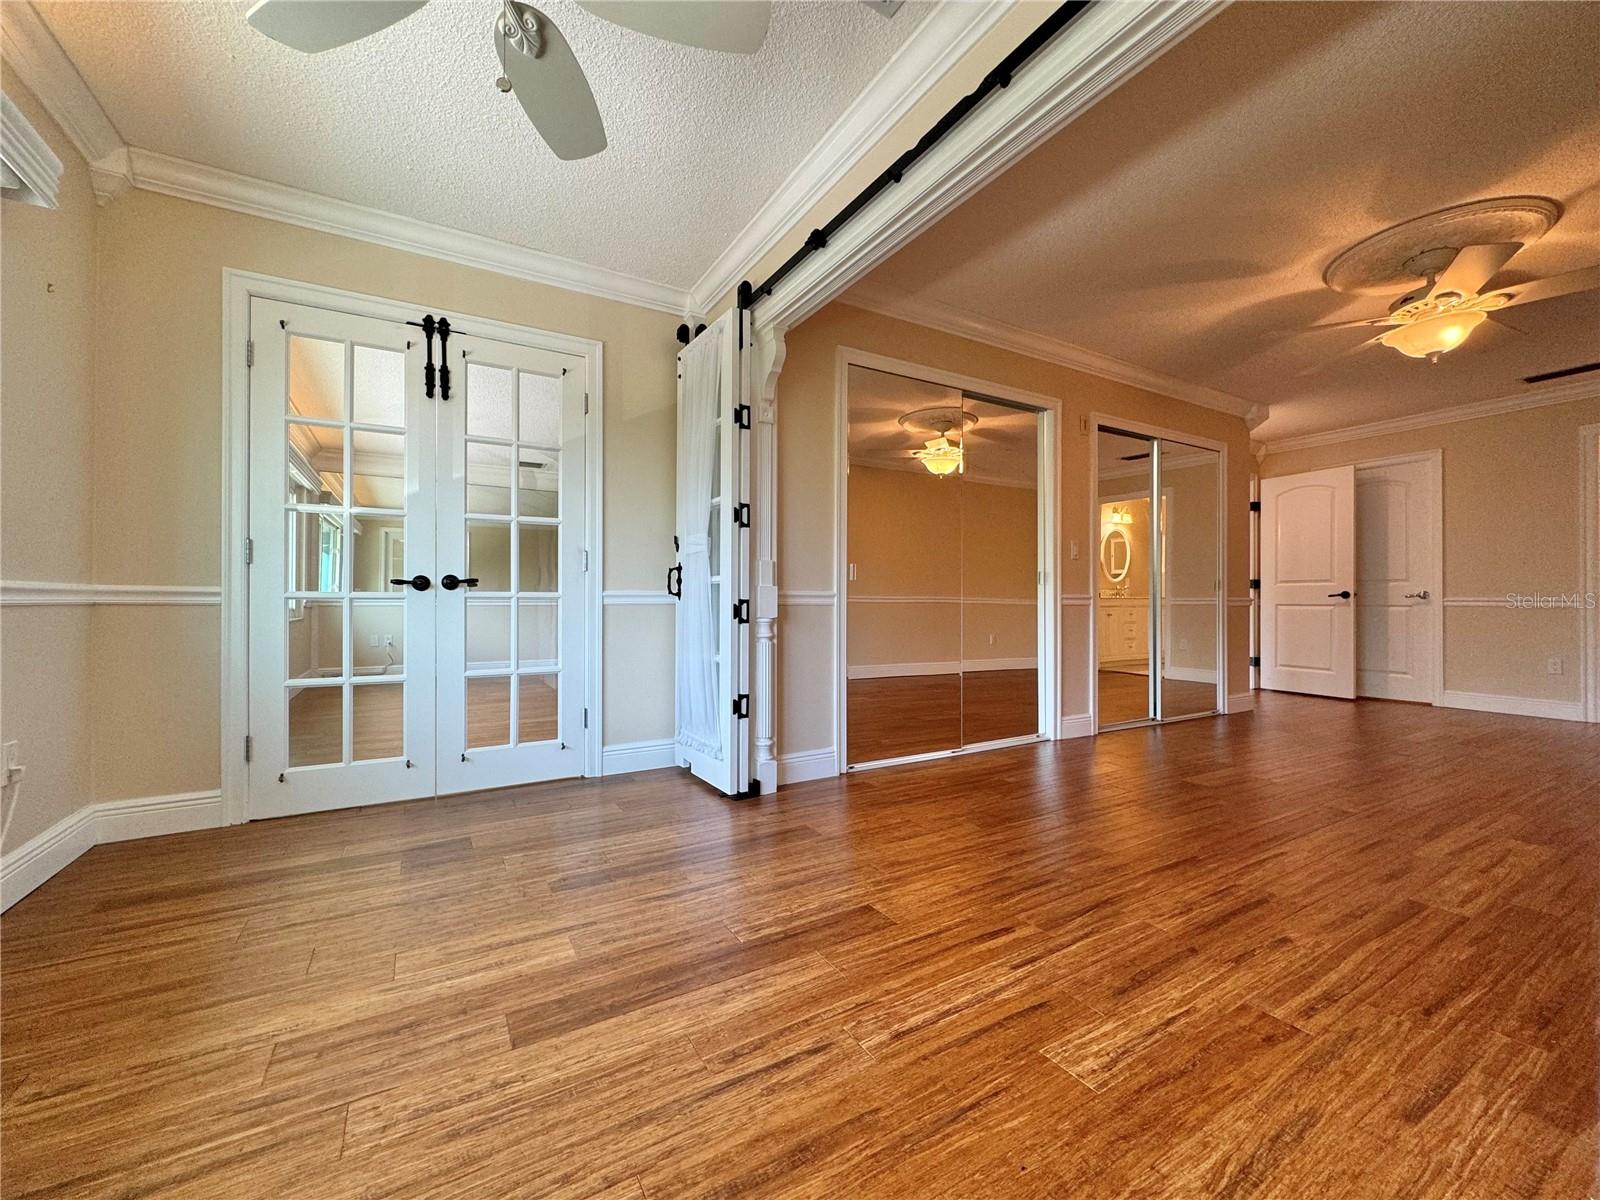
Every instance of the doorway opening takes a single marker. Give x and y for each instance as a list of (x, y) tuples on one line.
[(1159, 628), (945, 544)]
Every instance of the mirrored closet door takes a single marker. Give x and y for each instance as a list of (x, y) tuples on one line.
[(1158, 600)]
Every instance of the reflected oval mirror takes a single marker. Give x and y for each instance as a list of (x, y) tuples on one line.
[(1116, 553)]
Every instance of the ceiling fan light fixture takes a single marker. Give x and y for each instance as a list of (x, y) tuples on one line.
[(1433, 336), (940, 456)]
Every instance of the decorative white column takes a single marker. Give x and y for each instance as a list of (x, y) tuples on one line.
[(768, 363)]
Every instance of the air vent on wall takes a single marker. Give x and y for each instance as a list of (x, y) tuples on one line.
[(1546, 376)]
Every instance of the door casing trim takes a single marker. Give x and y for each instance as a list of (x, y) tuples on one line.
[(238, 289)]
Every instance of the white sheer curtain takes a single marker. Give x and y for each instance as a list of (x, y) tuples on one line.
[(699, 724)]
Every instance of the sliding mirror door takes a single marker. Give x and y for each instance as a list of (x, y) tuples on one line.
[(1191, 597), (1126, 574)]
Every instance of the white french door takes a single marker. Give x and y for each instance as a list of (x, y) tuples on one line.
[(712, 667), (512, 560), (1308, 574), (417, 621)]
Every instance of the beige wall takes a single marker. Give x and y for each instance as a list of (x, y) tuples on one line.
[(807, 455), (1511, 495), (47, 282)]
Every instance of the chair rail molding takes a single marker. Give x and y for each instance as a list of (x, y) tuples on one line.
[(29, 593)]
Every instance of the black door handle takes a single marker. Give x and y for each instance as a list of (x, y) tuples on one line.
[(1339, 595), (421, 582), (451, 582), (675, 581)]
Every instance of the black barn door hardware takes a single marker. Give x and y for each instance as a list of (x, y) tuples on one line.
[(435, 375), (444, 363)]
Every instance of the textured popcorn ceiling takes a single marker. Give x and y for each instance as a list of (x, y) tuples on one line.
[(409, 121), (1183, 223)]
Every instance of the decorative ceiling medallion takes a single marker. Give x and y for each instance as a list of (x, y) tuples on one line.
[(1383, 263)]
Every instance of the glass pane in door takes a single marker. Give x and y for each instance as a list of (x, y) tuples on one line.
[(999, 567), (1191, 575), (1124, 577)]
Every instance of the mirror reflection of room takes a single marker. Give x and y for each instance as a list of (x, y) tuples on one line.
[(1123, 578), (942, 616)]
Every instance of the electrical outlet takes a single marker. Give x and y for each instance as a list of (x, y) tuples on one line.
[(388, 639), (1183, 643), (1552, 666)]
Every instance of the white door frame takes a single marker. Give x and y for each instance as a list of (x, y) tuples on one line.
[(1049, 489), (1435, 460), (1589, 562), (238, 289), (1224, 601)]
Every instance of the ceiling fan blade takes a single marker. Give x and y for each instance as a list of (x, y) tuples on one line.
[(1368, 323), (548, 81), (317, 25), (1584, 279), (1328, 362), (737, 26), (1473, 267)]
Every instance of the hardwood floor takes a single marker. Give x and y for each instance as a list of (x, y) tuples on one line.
[(1326, 950), (896, 716)]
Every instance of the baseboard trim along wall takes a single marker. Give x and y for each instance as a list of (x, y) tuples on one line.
[(1075, 725), (625, 757), (44, 855), (1514, 706), (806, 765), (1239, 702)]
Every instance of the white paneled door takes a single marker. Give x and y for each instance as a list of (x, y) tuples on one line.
[(1396, 591), (416, 622), (1308, 583), (712, 578)]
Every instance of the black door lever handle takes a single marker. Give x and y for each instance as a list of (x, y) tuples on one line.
[(421, 582), (451, 582), (1345, 595)]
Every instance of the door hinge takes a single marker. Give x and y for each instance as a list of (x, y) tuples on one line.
[(1255, 506), (586, 560), (741, 415), (741, 611), (1255, 660), (1255, 585), (249, 551), (586, 718), (249, 747), (741, 705), (741, 515), (250, 352), (586, 404)]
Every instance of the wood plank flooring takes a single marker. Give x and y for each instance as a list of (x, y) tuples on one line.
[(899, 715), (1325, 950)]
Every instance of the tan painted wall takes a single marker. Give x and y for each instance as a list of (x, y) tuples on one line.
[(1511, 495), (47, 280), (807, 454)]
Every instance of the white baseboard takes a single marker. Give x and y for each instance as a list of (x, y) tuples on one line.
[(1075, 725), (1516, 706), (1190, 674), (806, 765), (1239, 702), (895, 670), (627, 757), (42, 856)]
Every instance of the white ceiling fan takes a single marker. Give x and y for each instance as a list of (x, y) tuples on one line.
[(536, 62), (1456, 269)]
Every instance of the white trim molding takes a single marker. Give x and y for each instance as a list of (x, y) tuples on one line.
[(1075, 725), (823, 598), (806, 765), (622, 597), (942, 39), (43, 65), (28, 158), (46, 854), (1241, 702), (624, 758), (25, 593), (1589, 562), (1554, 393), (953, 667), (1516, 706), (932, 314)]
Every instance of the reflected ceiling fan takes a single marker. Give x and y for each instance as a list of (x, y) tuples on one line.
[(1456, 253), (536, 62)]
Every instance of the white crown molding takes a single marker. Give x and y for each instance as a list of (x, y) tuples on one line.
[(939, 42), (934, 315), (43, 65), (28, 593), (29, 157), (260, 198), (1563, 392)]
